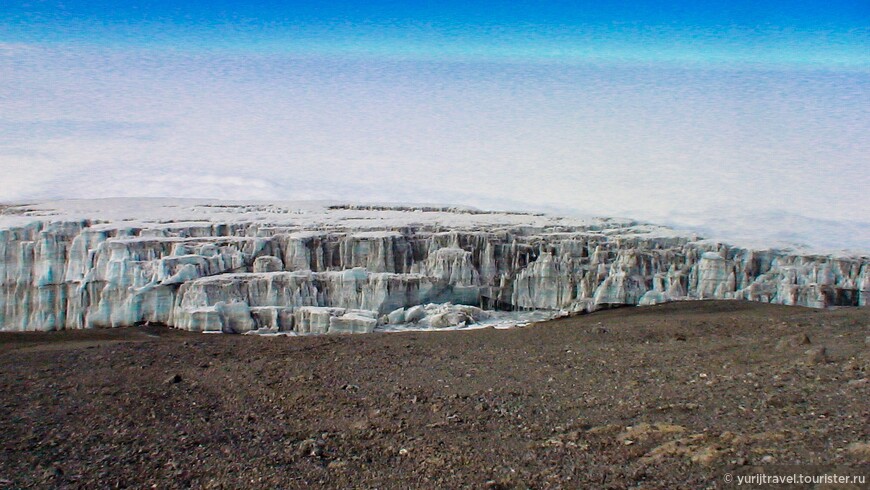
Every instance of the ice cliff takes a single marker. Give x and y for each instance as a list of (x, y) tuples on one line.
[(319, 268)]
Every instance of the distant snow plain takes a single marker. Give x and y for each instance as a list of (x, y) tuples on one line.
[(756, 155)]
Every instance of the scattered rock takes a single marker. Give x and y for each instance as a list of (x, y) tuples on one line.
[(553, 442), (52, 472), (175, 378), (852, 365), (310, 447), (695, 448), (860, 450), (817, 355), (761, 437), (705, 455), (782, 399), (793, 341), (605, 430), (644, 431), (727, 436)]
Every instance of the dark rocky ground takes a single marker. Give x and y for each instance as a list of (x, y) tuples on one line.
[(672, 396)]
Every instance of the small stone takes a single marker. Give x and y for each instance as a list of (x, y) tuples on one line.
[(851, 365), (318, 451), (175, 378), (860, 450), (817, 355), (705, 456), (768, 459), (306, 447), (793, 341), (727, 436)]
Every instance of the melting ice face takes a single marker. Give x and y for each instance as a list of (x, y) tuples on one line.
[(320, 268)]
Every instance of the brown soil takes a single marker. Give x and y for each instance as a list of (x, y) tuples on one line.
[(671, 396)]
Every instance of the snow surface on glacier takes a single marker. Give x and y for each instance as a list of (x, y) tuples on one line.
[(319, 267)]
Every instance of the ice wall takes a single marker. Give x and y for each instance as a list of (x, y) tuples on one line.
[(348, 273)]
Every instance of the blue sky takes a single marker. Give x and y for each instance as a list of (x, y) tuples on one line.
[(734, 31), (722, 116)]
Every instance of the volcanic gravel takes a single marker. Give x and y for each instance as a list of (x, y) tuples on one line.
[(671, 396)]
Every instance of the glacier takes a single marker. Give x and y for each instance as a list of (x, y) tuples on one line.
[(319, 267)]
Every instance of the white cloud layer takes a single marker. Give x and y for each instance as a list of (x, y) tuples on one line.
[(773, 155)]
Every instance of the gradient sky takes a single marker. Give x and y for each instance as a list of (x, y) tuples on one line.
[(736, 118)]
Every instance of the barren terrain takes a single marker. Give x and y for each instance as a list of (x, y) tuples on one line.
[(671, 396)]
